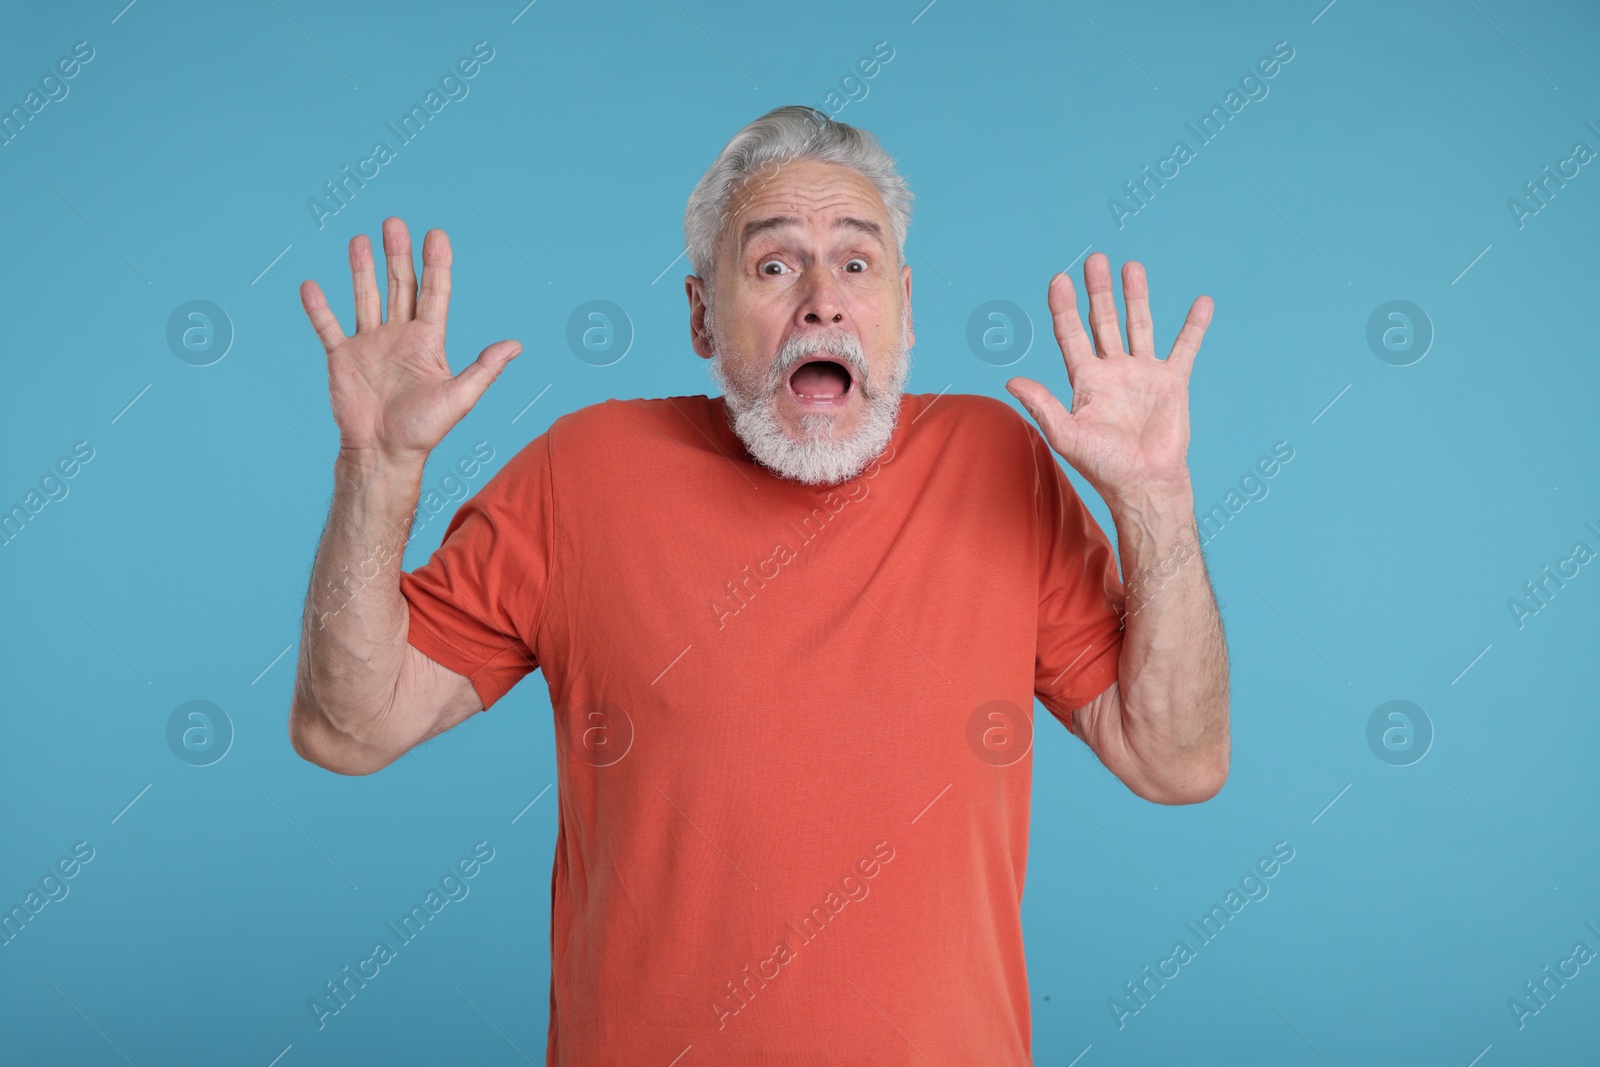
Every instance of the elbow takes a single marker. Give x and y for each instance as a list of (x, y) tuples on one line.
[(1198, 780), (315, 740), (1195, 770), (1193, 792), (1197, 792)]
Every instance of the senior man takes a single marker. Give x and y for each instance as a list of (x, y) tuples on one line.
[(792, 633)]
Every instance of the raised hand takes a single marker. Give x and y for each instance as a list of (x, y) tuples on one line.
[(1128, 430), (393, 395)]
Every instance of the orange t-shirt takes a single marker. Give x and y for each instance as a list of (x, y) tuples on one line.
[(793, 723)]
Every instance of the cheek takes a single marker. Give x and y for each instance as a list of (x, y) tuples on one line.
[(756, 329), (890, 331), (745, 356)]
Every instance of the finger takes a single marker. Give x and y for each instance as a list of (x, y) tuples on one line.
[(1074, 439), (1075, 344), (1187, 346), (322, 318), (434, 304), (369, 312), (1102, 305), (1136, 298), (476, 376), (1054, 419), (402, 276)]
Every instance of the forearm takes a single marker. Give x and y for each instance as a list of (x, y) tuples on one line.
[(1173, 672), (353, 632)]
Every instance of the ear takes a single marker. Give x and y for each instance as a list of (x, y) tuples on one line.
[(694, 288), (911, 329)]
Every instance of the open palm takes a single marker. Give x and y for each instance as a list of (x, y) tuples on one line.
[(1128, 430), (390, 384)]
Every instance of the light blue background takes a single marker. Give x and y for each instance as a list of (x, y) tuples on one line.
[(1378, 567)]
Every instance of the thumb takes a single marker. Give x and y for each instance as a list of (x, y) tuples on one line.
[(476, 376), (1054, 420)]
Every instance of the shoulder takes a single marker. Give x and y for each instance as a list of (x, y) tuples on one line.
[(613, 416), (628, 421), (616, 429), (971, 416), (584, 448), (1004, 444), (594, 446)]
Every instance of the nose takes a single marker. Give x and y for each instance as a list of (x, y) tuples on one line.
[(820, 303)]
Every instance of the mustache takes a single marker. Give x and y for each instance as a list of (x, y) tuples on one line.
[(839, 345)]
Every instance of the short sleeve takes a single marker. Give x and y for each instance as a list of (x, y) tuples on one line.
[(477, 604), (1080, 593)]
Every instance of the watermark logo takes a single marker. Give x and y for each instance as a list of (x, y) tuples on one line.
[(599, 332), (1399, 733), (199, 333), (1000, 333), (601, 732), (199, 733), (1399, 333), (999, 733)]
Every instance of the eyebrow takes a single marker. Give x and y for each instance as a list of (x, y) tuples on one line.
[(758, 226)]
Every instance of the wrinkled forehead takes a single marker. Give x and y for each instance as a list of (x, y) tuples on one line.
[(805, 197)]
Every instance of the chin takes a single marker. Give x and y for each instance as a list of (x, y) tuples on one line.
[(823, 425), (818, 448)]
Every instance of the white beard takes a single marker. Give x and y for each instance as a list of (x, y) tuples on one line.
[(817, 459)]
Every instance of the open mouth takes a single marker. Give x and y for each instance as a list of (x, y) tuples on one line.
[(821, 383)]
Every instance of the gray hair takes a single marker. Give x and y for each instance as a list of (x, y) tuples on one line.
[(784, 135)]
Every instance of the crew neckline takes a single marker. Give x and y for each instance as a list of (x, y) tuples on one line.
[(911, 405)]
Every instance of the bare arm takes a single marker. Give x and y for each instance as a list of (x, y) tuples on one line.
[(364, 696), (1162, 728)]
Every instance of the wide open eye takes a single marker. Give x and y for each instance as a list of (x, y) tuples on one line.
[(771, 263), (859, 260)]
